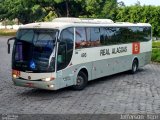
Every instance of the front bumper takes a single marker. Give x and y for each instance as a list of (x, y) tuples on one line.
[(35, 84)]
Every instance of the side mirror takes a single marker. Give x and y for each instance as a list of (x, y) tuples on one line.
[(13, 38)]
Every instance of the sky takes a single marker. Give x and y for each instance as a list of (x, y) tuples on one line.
[(143, 2)]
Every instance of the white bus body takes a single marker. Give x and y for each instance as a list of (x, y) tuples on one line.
[(84, 50)]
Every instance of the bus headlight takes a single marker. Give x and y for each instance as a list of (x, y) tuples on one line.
[(15, 74), (48, 79)]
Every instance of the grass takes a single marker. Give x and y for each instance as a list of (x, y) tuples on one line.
[(7, 32), (156, 44), (156, 55), (156, 51)]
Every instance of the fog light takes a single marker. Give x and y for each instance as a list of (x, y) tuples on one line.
[(48, 79), (51, 86)]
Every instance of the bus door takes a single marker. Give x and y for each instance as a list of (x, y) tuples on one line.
[(65, 51)]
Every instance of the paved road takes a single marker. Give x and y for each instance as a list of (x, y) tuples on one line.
[(121, 93)]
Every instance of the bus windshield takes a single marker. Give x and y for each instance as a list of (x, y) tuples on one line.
[(34, 50)]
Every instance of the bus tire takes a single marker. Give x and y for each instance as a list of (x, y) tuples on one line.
[(81, 81), (134, 66)]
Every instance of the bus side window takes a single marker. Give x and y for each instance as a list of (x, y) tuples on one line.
[(147, 33), (109, 35), (102, 36), (95, 37), (81, 41), (65, 49)]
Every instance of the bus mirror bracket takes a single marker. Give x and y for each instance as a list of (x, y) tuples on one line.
[(9, 46)]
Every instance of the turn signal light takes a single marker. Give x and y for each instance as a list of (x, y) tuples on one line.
[(15, 73)]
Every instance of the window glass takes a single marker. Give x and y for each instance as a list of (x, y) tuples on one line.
[(34, 50), (88, 33), (92, 37), (82, 37), (88, 36), (81, 40), (122, 35), (133, 36), (102, 36), (26, 35), (65, 49), (95, 37), (146, 33), (111, 35)]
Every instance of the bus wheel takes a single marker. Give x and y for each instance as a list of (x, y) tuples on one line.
[(81, 81), (134, 66)]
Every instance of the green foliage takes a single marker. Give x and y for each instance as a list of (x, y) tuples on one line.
[(156, 55), (110, 9), (6, 32), (27, 11), (156, 51), (100, 9), (156, 44), (38, 10), (144, 14), (51, 15), (62, 8)]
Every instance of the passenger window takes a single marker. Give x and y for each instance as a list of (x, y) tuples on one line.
[(147, 33), (102, 36), (124, 35), (81, 40), (87, 37), (95, 37)]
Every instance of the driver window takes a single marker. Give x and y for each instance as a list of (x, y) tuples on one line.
[(65, 48)]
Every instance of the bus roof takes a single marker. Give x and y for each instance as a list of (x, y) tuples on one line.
[(61, 23)]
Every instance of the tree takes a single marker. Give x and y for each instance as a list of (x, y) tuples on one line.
[(62, 8), (138, 3), (3, 11), (121, 4), (25, 11), (110, 9), (143, 14), (38, 10)]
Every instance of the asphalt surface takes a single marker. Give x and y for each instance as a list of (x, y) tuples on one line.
[(121, 93)]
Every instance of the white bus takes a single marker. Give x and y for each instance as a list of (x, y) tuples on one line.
[(73, 51)]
